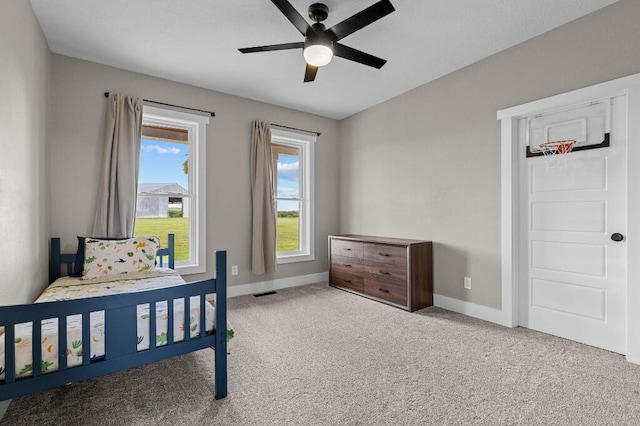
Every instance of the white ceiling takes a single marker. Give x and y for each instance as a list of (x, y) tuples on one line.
[(196, 42)]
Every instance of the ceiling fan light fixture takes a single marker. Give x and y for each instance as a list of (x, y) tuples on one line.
[(317, 55), (320, 44)]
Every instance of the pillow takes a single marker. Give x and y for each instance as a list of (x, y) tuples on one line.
[(79, 263), (104, 257)]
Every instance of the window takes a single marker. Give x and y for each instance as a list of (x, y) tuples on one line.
[(171, 184), (293, 165)]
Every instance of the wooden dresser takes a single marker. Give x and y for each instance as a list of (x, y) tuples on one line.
[(394, 271)]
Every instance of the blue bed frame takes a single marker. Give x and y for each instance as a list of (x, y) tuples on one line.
[(120, 314)]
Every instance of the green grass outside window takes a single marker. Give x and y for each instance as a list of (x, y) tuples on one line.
[(288, 236)]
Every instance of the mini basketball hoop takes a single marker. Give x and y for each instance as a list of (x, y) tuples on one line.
[(553, 149)]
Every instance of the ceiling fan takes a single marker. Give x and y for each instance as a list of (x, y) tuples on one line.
[(321, 44)]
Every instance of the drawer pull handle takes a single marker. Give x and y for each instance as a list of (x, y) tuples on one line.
[(384, 290), (384, 254), (385, 273), (347, 249), (347, 265), (347, 281)]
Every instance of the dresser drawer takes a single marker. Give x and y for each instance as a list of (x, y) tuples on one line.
[(382, 290), (346, 265), (378, 253), (346, 248), (386, 274), (347, 280)]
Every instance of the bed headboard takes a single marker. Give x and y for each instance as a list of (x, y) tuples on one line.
[(58, 259)]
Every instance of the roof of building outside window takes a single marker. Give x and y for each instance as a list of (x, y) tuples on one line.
[(161, 188)]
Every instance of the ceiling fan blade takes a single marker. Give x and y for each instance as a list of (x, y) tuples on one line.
[(284, 46), (361, 19), (355, 55), (293, 16), (310, 73)]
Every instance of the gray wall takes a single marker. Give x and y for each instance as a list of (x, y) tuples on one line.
[(426, 164), (24, 85), (75, 140)]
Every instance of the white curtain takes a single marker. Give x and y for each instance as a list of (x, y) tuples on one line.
[(263, 200), (117, 193)]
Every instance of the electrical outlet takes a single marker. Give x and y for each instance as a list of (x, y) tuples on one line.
[(234, 270), (467, 283)]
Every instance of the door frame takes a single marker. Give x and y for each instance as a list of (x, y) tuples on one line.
[(510, 207)]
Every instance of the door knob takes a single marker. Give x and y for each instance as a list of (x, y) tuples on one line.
[(617, 237)]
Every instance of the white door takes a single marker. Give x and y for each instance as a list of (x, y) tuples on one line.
[(573, 275)]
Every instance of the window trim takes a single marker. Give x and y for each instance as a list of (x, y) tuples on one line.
[(306, 143), (196, 125)]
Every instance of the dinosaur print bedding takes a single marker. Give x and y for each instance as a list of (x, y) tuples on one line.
[(67, 288)]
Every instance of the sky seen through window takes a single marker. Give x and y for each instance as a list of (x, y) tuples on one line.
[(162, 162)]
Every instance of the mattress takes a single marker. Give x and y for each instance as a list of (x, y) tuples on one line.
[(67, 288)]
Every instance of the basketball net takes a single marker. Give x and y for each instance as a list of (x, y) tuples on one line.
[(555, 153)]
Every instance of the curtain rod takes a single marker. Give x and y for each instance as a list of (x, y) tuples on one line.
[(293, 128), (213, 114)]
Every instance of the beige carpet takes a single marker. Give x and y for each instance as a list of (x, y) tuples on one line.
[(315, 355)]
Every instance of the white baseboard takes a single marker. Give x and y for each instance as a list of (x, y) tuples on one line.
[(630, 358), (3, 408), (471, 309), (265, 286)]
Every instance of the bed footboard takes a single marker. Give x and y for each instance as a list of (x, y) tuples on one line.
[(120, 350)]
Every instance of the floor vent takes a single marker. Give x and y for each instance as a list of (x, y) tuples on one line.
[(264, 294)]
